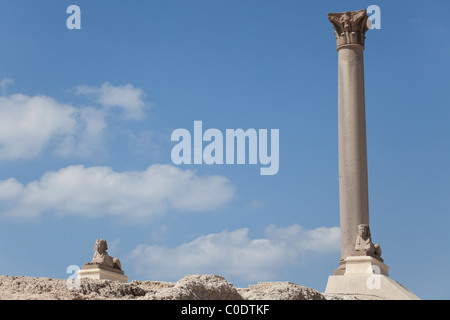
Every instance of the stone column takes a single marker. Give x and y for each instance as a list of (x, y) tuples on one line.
[(358, 262), (350, 29)]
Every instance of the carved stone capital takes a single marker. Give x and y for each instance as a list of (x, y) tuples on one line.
[(349, 27)]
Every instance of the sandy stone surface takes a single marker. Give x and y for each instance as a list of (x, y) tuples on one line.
[(280, 291), (191, 287)]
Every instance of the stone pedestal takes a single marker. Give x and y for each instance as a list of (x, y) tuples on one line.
[(364, 265), (377, 285), (366, 275), (99, 272)]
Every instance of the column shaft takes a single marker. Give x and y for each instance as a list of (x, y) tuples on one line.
[(353, 185)]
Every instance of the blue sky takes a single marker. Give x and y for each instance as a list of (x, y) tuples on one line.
[(86, 118)]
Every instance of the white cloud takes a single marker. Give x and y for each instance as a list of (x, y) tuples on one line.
[(126, 97), (5, 83), (100, 191), (234, 254), (256, 204), (114, 247), (29, 124), (88, 138)]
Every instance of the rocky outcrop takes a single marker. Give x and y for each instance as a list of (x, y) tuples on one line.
[(199, 287), (191, 287), (280, 291)]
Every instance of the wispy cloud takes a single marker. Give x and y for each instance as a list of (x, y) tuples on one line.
[(29, 124), (234, 254), (4, 84), (126, 97), (97, 192), (88, 137)]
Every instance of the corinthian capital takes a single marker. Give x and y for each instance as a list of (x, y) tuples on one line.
[(349, 27)]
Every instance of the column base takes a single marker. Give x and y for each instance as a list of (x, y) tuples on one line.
[(341, 269), (365, 275), (358, 265)]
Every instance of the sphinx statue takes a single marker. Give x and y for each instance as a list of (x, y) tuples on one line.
[(364, 245), (102, 258), (103, 266)]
